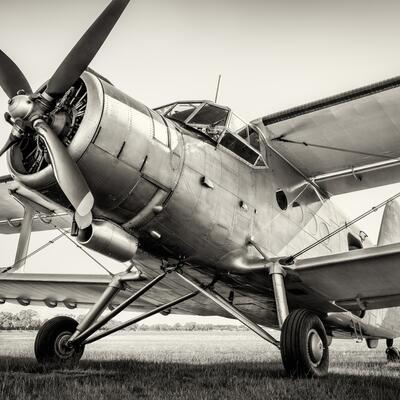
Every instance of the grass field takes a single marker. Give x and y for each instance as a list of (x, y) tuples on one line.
[(191, 365)]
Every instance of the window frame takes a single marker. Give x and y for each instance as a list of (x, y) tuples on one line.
[(154, 121), (237, 155)]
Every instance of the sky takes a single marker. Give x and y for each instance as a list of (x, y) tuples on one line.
[(271, 55)]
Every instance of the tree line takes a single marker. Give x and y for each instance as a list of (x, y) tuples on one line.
[(30, 320)]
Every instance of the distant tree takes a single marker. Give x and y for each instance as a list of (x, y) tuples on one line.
[(189, 326), (29, 319), (177, 326), (26, 319), (6, 320)]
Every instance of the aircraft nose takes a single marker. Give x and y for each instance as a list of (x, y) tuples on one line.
[(129, 154)]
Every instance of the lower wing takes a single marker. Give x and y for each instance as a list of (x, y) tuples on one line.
[(47, 214)]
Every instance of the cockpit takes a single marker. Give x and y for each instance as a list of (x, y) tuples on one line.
[(221, 125)]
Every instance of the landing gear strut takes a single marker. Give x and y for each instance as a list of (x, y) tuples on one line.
[(304, 343)]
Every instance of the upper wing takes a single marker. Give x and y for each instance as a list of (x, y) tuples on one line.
[(11, 211), (344, 143), (360, 279)]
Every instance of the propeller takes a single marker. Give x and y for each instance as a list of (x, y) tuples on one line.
[(12, 139), (30, 111), (66, 171), (84, 51), (11, 78)]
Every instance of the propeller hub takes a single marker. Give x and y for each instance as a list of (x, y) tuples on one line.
[(20, 106)]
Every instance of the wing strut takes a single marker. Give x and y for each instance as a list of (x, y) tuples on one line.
[(24, 238)]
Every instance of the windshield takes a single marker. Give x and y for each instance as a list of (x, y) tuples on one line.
[(210, 115), (210, 119), (182, 111)]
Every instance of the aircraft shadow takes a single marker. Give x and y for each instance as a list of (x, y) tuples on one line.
[(255, 370), (225, 380)]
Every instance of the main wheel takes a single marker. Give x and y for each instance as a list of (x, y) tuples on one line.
[(304, 345), (51, 348)]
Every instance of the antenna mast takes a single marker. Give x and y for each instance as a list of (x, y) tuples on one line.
[(216, 93)]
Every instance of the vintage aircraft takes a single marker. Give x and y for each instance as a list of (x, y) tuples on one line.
[(211, 215)]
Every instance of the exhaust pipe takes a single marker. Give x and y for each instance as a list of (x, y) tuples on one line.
[(108, 239)]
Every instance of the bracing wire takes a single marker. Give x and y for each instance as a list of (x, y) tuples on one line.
[(63, 233)]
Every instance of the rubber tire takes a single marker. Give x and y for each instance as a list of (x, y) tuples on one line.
[(393, 354), (294, 345), (45, 343)]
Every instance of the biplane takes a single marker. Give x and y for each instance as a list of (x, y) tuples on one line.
[(207, 213)]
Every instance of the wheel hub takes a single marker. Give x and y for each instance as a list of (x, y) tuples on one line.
[(61, 347), (315, 346)]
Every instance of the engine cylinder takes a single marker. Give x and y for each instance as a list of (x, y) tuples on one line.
[(108, 239)]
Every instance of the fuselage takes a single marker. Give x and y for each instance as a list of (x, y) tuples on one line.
[(185, 196)]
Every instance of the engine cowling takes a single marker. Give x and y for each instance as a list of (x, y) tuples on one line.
[(129, 155)]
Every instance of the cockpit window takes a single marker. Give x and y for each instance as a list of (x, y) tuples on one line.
[(239, 147), (164, 110), (250, 135), (210, 115), (182, 111), (254, 138), (235, 123), (210, 120), (220, 125)]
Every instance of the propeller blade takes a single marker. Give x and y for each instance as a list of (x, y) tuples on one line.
[(84, 51), (11, 77), (67, 173), (12, 139), (83, 221)]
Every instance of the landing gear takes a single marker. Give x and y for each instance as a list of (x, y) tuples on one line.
[(304, 345), (392, 353), (51, 349)]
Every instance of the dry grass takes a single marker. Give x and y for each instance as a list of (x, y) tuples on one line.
[(191, 365)]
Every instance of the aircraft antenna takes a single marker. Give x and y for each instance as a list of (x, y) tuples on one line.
[(216, 92)]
